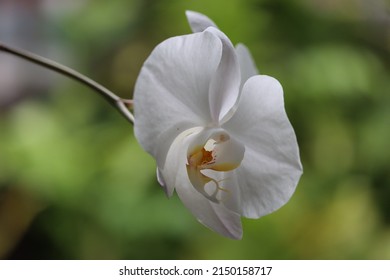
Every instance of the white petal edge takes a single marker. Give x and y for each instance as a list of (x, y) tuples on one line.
[(199, 22), (247, 64), (247, 69), (161, 181), (225, 85), (271, 167)]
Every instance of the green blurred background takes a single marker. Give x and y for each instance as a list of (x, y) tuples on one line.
[(75, 184)]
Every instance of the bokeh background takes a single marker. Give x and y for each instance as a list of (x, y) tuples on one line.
[(74, 183)]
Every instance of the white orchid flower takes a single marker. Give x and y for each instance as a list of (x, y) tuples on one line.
[(217, 129)]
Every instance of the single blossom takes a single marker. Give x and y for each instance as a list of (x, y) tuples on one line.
[(218, 130)]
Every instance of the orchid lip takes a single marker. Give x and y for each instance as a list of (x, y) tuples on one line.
[(219, 153)]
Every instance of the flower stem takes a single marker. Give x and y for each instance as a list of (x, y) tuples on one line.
[(119, 103)]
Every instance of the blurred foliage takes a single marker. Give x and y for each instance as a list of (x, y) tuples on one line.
[(74, 183)]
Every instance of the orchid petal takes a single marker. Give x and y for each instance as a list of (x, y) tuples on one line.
[(247, 64), (174, 158), (165, 139), (199, 22), (247, 70), (225, 84), (271, 167), (213, 215), (175, 78)]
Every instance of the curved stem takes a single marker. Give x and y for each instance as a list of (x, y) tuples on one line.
[(113, 99)]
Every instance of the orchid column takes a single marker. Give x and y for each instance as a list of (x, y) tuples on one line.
[(218, 130)]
